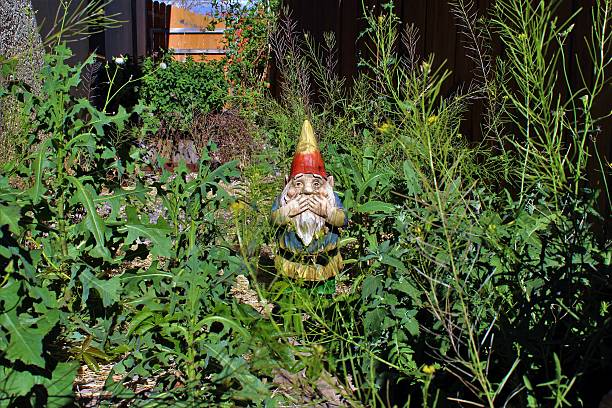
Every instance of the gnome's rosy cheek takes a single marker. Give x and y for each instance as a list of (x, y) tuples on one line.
[(291, 193), (322, 191)]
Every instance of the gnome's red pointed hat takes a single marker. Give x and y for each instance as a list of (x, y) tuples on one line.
[(307, 159)]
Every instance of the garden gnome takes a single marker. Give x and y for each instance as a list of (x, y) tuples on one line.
[(309, 213)]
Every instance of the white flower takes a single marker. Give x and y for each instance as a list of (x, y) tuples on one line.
[(163, 65), (119, 60)]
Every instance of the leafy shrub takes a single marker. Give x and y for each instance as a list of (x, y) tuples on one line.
[(178, 91), (56, 245), (68, 247)]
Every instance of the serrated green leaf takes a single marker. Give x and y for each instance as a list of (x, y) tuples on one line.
[(48, 298), (412, 325), (138, 320), (10, 215), (253, 388), (92, 219), (15, 383), (220, 173), (59, 387), (407, 288), (26, 341), (372, 285), (109, 290), (161, 245), (82, 140), (406, 106), (411, 178), (373, 321), (391, 261), (9, 297), (227, 324), (376, 206), (108, 154), (118, 197)]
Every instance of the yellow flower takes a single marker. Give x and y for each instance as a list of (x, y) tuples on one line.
[(432, 119), (429, 369), (385, 128), (237, 206)]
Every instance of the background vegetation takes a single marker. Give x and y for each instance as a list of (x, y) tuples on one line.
[(474, 274)]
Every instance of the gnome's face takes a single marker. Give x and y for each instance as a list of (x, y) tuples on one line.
[(306, 184), (313, 187)]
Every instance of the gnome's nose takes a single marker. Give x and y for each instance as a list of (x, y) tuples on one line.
[(308, 189)]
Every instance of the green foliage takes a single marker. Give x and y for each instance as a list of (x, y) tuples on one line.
[(461, 289), (457, 288), (45, 251), (174, 310), (69, 239), (75, 21), (178, 91), (247, 28), (546, 115), (503, 275)]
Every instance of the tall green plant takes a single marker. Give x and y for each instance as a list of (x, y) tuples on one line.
[(70, 284), (555, 122), (181, 324), (460, 256), (58, 247), (445, 265)]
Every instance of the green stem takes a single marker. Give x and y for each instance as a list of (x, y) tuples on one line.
[(63, 23), (111, 82), (476, 365), (61, 223), (59, 167)]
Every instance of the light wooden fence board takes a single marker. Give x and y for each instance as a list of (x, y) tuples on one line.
[(190, 34)]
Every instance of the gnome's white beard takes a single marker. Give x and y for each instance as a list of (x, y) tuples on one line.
[(308, 223)]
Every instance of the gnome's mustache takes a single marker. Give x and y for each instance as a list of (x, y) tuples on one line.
[(307, 224)]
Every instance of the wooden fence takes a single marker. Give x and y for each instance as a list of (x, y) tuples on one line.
[(147, 27), (185, 32), (437, 34), (158, 25)]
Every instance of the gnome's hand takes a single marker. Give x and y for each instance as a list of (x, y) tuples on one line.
[(321, 207), (296, 206)]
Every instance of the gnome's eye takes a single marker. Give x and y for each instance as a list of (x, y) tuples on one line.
[(298, 184), (316, 184)]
